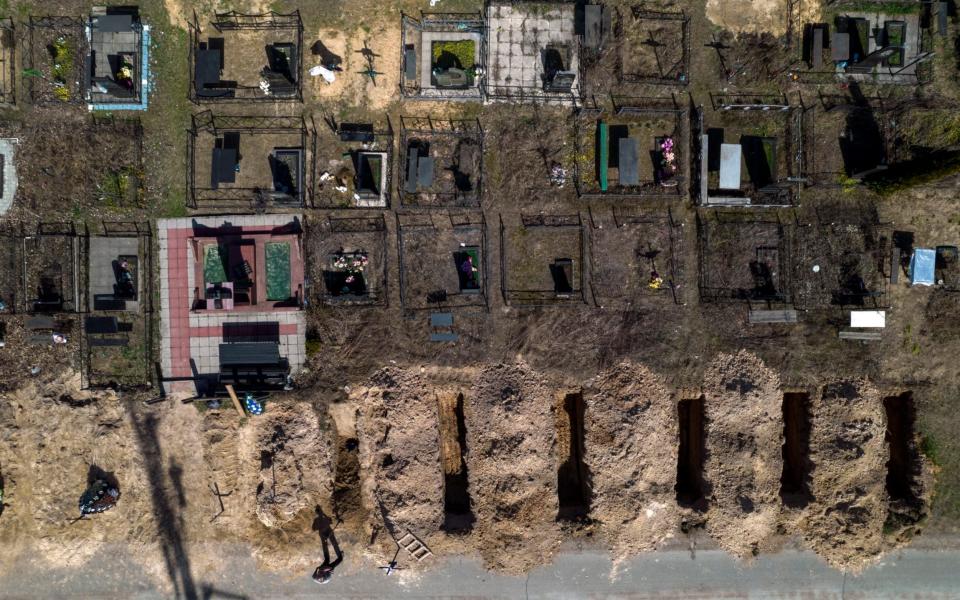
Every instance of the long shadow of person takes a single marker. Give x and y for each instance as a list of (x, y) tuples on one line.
[(323, 525)]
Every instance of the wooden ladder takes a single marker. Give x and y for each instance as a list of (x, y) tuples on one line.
[(414, 546)]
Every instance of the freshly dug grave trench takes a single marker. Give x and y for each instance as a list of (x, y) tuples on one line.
[(630, 440), (401, 473), (573, 475), (690, 486), (845, 518), (795, 479), (909, 478), (511, 436), (457, 507), (743, 454)]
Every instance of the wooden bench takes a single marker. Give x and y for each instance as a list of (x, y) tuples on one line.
[(863, 336), (772, 316)]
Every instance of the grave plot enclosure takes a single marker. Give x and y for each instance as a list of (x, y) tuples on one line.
[(442, 55), (114, 70), (642, 47), (541, 259), (842, 260), (441, 162), (354, 166), (246, 162), (749, 151), (848, 140), (117, 327), (635, 258), (533, 51), (54, 60), (638, 150), (743, 258), (8, 62), (443, 260), (240, 57), (51, 269), (347, 259)]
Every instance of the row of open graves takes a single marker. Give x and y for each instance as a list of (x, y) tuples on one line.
[(78, 295)]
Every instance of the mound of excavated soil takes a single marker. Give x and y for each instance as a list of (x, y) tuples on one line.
[(284, 472), (295, 462), (743, 452), (400, 452), (512, 458), (631, 451), (848, 455), (56, 434)]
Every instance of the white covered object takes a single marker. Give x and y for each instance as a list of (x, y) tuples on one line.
[(868, 318)]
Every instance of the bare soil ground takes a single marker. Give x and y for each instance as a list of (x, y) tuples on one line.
[(400, 455), (847, 450), (631, 452), (512, 446), (743, 467), (70, 165)]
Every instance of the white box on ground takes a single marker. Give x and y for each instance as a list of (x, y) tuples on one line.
[(868, 318)]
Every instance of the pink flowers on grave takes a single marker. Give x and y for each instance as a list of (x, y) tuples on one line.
[(669, 157)]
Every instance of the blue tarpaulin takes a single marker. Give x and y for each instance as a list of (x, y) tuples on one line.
[(922, 266)]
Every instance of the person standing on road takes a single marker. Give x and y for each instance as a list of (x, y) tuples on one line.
[(324, 572)]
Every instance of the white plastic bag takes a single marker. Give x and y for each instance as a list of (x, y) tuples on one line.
[(327, 74)]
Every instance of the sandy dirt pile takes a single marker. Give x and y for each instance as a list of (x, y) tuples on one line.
[(511, 445), (756, 16), (286, 475), (848, 455), (57, 438), (295, 462), (743, 452), (630, 448), (400, 453)]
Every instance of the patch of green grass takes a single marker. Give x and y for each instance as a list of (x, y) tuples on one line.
[(463, 53), (928, 446), (937, 424)]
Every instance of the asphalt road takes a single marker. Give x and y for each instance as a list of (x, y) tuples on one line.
[(912, 573)]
